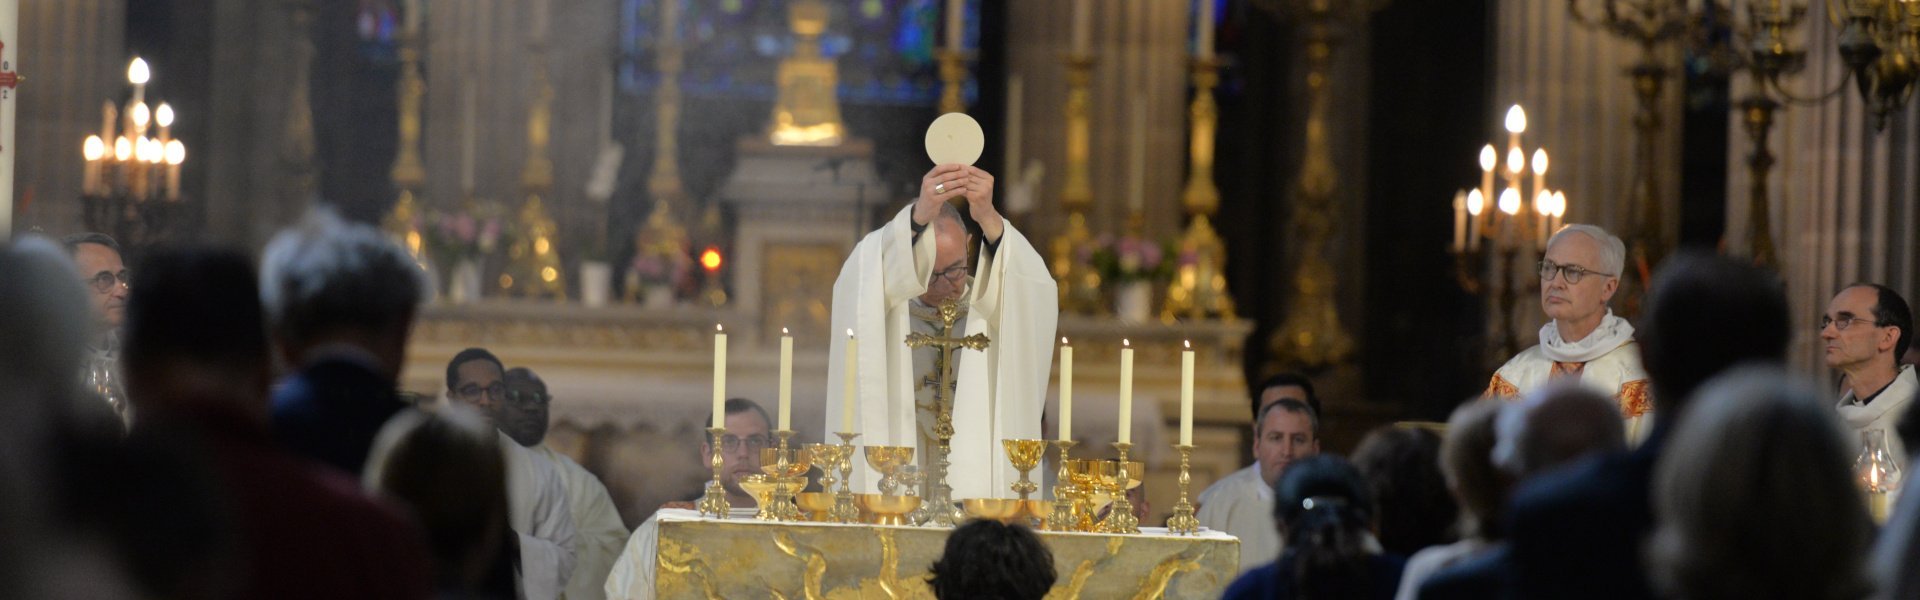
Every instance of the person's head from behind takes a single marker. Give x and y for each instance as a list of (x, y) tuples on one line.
[(1705, 313), (748, 431), (1402, 465), (194, 333), (949, 278), (446, 465), (1285, 386), (1324, 509), (1466, 458), (990, 560), (1554, 426), (104, 271), (1866, 327), (326, 281), (43, 337), (1755, 496), (1579, 274), (1287, 431), (523, 413), (476, 378)]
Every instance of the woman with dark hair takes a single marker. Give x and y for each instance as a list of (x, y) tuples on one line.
[(989, 560), (1402, 466), (1324, 509)]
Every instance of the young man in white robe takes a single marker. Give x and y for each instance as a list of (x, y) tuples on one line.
[(1241, 504), (748, 431), (523, 416), (1864, 331), (537, 508), (894, 284), (1583, 341)]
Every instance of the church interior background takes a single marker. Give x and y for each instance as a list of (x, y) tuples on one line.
[(595, 183)]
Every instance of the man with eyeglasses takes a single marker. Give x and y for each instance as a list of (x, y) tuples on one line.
[(895, 284), (1865, 330), (748, 432), (539, 511), (105, 275), (1583, 341), (523, 417)]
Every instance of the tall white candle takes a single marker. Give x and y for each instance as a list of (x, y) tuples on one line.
[(1186, 395), (956, 23), (719, 376), (786, 379), (1082, 28), (1203, 30), (1459, 221), (852, 384), (1066, 390), (1126, 391), (1137, 160)]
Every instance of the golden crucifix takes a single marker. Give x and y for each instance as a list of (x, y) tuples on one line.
[(939, 494)]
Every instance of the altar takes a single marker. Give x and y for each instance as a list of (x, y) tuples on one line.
[(709, 558)]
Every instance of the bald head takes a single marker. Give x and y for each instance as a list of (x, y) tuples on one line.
[(1555, 425)]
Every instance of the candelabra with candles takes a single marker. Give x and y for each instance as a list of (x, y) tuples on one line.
[(1487, 241), (131, 186)]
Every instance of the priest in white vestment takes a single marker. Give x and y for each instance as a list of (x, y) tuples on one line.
[(748, 428), (1864, 331), (524, 417), (537, 508), (893, 285), (1241, 504), (1583, 341)]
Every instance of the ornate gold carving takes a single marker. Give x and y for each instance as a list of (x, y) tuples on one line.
[(796, 284), (953, 80), (807, 110), (533, 267)]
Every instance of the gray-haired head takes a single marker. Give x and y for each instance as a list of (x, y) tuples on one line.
[(1613, 252), (1755, 497), (325, 280), (1553, 426)]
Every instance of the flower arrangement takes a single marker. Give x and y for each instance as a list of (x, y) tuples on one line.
[(462, 235), (1127, 259), (670, 269)]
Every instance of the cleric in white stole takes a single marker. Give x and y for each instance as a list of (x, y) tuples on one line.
[(893, 284), (1584, 341)]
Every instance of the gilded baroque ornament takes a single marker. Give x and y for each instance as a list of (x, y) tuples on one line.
[(807, 110)]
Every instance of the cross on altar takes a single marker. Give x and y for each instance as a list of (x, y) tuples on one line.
[(939, 506)]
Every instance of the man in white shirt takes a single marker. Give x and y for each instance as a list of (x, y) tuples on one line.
[(747, 433), (1241, 504), (1865, 330), (536, 497), (523, 416)]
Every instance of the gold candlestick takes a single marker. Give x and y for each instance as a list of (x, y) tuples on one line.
[(1182, 521), (1079, 284), (715, 501), (843, 509), (953, 80), (1120, 517), (1064, 494), (1199, 289), (1025, 455)]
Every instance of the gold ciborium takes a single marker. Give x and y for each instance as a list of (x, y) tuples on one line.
[(825, 456), (786, 470), (1025, 455), (888, 510), (1088, 494), (816, 504), (888, 460), (761, 489), (1005, 510)]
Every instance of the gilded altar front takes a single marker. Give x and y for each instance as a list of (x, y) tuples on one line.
[(707, 558)]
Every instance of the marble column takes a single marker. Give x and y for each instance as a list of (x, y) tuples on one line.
[(73, 54)]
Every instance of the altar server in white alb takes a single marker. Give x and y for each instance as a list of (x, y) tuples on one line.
[(893, 285), (1584, 341)]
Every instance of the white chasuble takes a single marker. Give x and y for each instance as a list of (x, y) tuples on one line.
[(1001, 390)]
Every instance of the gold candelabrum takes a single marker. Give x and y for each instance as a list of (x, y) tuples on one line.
[(1488, 239), (409, 172), (953, 80), (806, 111), (844, 510), (1065, 494), (131, 184), (1311, 337), (1183, 522), (1079, 283), (1880, 45), (942, 512), (1199, 287), (533, 267), (714, 502), (1120, 517), (663, 238)]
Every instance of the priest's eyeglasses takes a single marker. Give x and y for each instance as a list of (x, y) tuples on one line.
[(472, 391), (527, 397), (1573, 273), (754, 443), (955, 275), (105, 281), (1843, 324)]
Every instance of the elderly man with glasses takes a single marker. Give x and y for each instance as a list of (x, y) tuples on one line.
[(1864, 331), (537, 505), (1583, 341)]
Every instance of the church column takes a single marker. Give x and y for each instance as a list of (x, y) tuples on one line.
[(75, 59)]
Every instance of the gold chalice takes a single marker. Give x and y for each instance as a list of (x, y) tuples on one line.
[(888, 510), (1135, 470), (1005, 510), (761, 489), (787, 471), (817, 505), (1089, 496), (888, 460), (1037, 511), (1025, 455)]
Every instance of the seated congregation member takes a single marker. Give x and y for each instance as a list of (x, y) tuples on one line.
[(1582, 341), (446, 466), (985, 558), (1478, 487), (536, 499), (1285, 429), (340, 299), (1548, 429), (1755, 497), (1578, 532), (196, 361), (748, 430), (104, 271), (1402, 465), (524, 418), (1324, 508), (1864, 331)]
